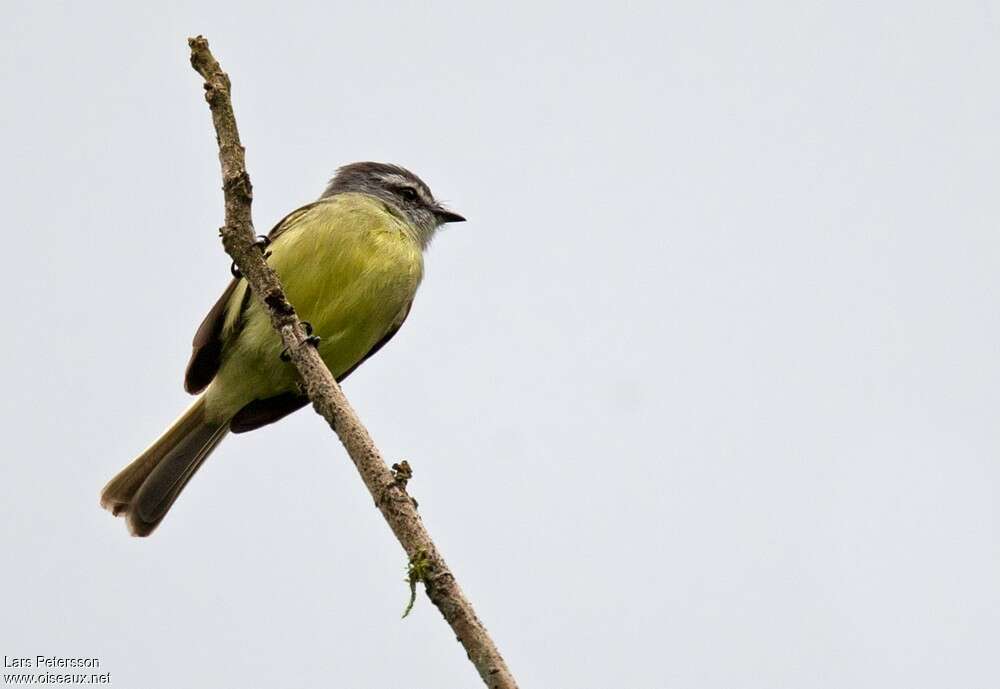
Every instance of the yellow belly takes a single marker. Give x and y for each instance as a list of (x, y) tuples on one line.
[(350, 268)]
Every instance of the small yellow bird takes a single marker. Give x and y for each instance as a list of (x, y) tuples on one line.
[(350, 264)]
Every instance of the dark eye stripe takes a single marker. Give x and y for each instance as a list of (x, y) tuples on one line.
[(408, 193)]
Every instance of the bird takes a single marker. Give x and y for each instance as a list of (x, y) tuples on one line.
[(350, 263)]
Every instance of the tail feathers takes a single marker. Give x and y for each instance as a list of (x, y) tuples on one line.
[(144, 490)]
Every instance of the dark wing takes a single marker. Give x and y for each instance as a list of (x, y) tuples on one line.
[(206, 354), (262, 412), (207, 345)]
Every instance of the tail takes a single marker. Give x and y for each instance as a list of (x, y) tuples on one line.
[(144, 490)]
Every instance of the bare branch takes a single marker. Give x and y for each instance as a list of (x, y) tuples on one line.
[(328, 399)]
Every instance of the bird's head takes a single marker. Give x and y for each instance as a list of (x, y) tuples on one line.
[(399, 188)]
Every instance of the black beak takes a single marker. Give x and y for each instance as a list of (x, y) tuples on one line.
[(444, 215)]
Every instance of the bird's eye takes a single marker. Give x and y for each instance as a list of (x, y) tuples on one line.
[(408, 193)]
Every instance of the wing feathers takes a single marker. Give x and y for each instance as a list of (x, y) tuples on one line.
[(207, 345), (206, 355)]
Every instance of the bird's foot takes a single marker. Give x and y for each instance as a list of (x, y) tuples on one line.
[(314, 340), (261, 242)]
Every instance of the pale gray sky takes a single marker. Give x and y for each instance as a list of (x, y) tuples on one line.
[(703, 395)]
